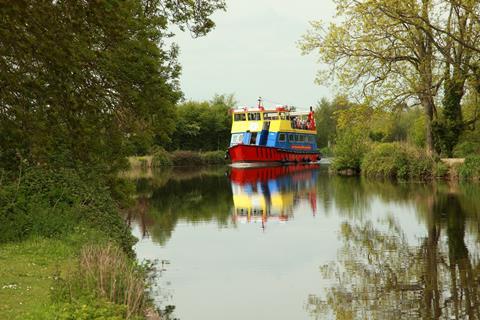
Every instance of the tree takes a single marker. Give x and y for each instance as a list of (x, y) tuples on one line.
[(204, 125), (79, 78), (388, 61), (325, 119), (404, 52)]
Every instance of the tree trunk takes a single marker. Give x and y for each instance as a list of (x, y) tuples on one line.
[(428, 107)]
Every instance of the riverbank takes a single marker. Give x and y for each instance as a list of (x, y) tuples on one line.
[(402, 161), (180, 158), (65, 251), (30, 269)]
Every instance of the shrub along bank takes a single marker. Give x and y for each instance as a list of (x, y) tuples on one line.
[(179, 158), (470, 169), (399, 161), (66, 252)]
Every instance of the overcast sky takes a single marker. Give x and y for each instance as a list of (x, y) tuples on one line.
[(253, 52)]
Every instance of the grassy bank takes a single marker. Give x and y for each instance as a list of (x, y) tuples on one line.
[(27, 269), (65, 252), (180, 158), (403, 162)]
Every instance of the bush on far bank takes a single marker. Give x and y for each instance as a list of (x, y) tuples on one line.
[(470, 169), (179, 158), (213, 157), (349, 151), (397, 160)]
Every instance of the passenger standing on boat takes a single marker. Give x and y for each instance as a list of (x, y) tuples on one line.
[(311, 120)]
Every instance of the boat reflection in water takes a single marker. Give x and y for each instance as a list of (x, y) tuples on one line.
[(262, 194)]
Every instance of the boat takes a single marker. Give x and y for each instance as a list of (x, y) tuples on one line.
[(276, 134)]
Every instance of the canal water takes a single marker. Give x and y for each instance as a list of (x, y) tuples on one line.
[(293, 242)]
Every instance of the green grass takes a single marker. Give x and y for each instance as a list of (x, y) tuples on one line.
[(28, 268)]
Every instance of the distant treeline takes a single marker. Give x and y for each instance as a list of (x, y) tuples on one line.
[(198, 126)]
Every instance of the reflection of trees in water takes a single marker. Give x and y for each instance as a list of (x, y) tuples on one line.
[(379, 275), (192, 196), (352, 196)]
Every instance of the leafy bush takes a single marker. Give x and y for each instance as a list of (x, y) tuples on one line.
[(470, 168), (466, 148), (213, 157), (397, 160), (441, 169), (186, 158), (51, 203), (160, 157), (349, 150), (326, 152)]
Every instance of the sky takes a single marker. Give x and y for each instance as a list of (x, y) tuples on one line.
[(253, 52)]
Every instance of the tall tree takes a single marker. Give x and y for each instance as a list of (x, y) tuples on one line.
[(377, 55), (78, 78), (403, 52)]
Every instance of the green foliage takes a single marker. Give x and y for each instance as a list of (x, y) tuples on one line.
[(104, 272), (466, 148), (349, 150), (352, 137), (97, 75), (213, 157), (395, 53), (160, 157), (186, 158), (84, 309), (326, 152), (29, 266), (449, 128), (416, 132), (51, 203), (203, 125), (86, 82), (440, 170), (325, 119), (470, 170), (397, 160)]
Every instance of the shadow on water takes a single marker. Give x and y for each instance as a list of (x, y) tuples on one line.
[(381, 272)]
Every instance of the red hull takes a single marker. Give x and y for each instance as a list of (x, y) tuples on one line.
[(254, 153)]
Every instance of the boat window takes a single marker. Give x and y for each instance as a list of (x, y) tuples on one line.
[(296, 137), (253, 138), (239, 117), (236, 138), (282, 137), (254, 116), (270, 116), (301, 138), (311, 139), (291, 137)]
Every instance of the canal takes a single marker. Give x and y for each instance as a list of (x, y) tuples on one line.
[(293, 242)]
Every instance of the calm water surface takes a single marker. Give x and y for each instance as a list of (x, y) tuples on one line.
[(295, 243)]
